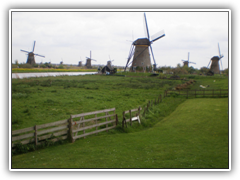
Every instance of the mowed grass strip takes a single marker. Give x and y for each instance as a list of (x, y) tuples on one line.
[(195, 135)]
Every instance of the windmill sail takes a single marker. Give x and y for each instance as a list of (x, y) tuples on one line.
[(157, 36), (145, 26)]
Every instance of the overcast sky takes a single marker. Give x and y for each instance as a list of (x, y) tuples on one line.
[(72, 35)]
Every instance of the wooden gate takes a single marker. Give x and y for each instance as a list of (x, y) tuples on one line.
[(92, 123)]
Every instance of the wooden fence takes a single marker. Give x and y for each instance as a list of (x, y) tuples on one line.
[(61, 130), (199, 93), (38, 134), (93, 125), (138, 114), (132, 117)]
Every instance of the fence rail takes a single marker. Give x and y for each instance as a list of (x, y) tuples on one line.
[(39, 133), (85, 127), (199, 93)]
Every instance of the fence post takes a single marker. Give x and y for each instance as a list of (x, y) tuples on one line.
[(70, 129), (124, 119), (96, 123), (35, 135), (144, 111), (116, 120), (139, 109), (130, 112), (106, 120)]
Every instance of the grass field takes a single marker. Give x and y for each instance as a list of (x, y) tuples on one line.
[(38, 101), (176, 133), (195, 135)]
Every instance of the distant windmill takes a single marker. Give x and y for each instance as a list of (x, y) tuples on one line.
[(80, 62), (61, 61), (214, 68), (109, 62), (88, 61), (31, 58), (186, 62), (140, 49)]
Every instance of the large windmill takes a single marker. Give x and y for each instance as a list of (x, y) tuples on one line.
[(140, 50), (31, 58), (186, 62), (88, 61), (215, 68)]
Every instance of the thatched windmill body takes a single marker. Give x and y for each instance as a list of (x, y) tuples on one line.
[(215, 68), (139, 51), (88, 61), (186, 62), (31, 55)]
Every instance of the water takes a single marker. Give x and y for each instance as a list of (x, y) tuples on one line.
[(45, 74)]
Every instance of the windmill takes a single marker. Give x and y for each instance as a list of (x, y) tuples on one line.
[(214, 68), (88, 61), (186, 62), (109, 62), (31, 58), (80, 62), (140, 50)]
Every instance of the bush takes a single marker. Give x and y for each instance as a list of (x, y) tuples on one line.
[(25, 65), (60, 66)]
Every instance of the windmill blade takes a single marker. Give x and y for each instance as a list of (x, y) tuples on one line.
[(192, 62), (183, 60), (157, 36), (39, 55), (188, 56), (152, 54), (209, 63), (33, 46), (93, 60), (146, 26), (219, 51), (24, 51)]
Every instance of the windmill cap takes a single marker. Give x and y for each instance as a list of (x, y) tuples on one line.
[(142, 41), (215, 58)]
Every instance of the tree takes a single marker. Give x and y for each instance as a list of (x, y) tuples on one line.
[(204, 70)]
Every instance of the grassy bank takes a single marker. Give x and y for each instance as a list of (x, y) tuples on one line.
[(195, 135)]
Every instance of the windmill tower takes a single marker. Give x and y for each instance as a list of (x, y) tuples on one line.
[(186, 62), (109, 63), (88, 62), (215, 68), (80, 62), (31, 58), (140, 50)]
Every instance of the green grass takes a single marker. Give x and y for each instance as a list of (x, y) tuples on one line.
[(38, 101), (195, 135)]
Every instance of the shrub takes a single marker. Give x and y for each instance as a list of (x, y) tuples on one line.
[(25, 65)]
